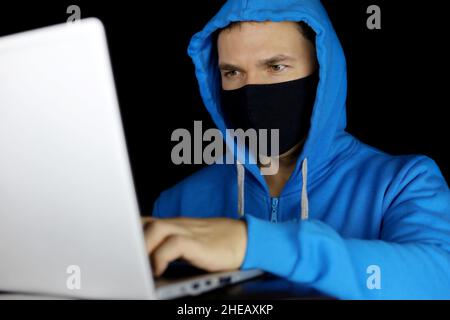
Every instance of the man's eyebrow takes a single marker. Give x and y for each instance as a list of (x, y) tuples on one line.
[(229, 67), (276, 59), (272, 60)]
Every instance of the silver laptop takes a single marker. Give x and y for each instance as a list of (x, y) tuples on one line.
[(69, 219)]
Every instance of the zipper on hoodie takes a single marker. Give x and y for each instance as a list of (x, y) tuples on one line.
[(274, 212)]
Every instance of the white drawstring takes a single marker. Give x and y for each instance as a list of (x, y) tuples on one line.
[(240, 180), (304, 204), (304, 197)]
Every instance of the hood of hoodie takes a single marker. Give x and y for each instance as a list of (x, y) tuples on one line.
[(327, 136)]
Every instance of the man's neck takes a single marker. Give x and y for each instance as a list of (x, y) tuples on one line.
[(288, 160), (287, 163)]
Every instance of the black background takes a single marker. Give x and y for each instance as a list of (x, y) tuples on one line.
[(397, 76)]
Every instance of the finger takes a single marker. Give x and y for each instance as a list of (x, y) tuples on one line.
[(158, 230), (171, 249), (146, 220)]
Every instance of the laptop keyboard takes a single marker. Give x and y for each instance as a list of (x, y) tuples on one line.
[(181, 269)]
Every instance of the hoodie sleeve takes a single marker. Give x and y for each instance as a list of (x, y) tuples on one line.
[(411, 260)]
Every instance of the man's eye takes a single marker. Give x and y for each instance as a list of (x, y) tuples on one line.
[(232, 73), (278, 67)]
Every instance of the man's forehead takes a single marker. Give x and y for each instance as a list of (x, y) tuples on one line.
[(259, 43)]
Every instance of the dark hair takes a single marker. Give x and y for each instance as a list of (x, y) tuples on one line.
[(307, 32), (303, 27)]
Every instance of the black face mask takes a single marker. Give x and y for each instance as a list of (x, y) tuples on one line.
[(286, 106)]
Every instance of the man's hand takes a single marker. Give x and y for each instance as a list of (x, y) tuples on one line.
[(213, 244)]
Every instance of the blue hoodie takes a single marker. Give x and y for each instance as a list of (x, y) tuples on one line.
[(350, 214)]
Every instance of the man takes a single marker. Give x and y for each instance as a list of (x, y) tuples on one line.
[(337, 210)]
